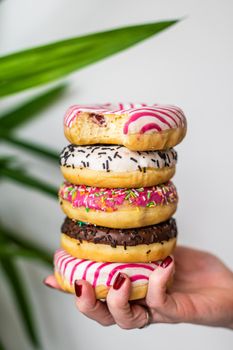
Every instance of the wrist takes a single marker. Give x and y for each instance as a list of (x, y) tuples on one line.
[(230, 323), (230, 326)]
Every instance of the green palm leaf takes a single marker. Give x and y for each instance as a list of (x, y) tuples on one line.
[(18, 175), (15, 245), (21, 297), (13, 119), (7, 160), (44, 64), (2, 346), (41, 151), (9, 251), (29, 110)]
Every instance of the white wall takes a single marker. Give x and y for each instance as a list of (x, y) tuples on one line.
[(189, 65)]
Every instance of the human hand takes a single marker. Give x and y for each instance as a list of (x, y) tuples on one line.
[(202, 293)]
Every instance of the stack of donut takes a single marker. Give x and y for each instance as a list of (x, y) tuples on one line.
[(117, 193)]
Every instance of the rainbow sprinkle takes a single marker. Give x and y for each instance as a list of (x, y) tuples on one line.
[(108, 200)]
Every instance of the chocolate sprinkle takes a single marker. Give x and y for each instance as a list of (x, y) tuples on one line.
[(107, 165)]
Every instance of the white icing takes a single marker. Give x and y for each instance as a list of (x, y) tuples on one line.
[(172, 116), (67, 266), (115, 158)]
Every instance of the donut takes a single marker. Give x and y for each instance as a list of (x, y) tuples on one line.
[(101, 275), (116, 166), (121, 207), (98, 243), (139, 127)]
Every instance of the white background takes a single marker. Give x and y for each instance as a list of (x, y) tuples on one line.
[(189, 65)]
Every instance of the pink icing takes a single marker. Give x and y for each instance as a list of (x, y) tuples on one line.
[(99, 273), (106, 199), (126, 266), (67, 262), (74, 269), (145, 112), (87, 268), (139, 115), (138, 277), (165, 117), (149, 126)]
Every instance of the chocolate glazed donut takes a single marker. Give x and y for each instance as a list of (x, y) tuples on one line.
[(100, 243)]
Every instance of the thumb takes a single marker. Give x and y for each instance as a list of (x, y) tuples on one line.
[(50, 281), (157, 297)]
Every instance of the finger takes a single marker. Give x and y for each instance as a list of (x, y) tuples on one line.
[(125, 315), (88, 305), (157, 297), (50, 281)]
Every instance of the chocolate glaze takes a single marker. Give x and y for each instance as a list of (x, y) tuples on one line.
[(114, 237)]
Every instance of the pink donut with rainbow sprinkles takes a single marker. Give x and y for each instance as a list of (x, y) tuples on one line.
[(137, 126)]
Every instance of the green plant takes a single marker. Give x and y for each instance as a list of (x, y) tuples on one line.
[(28, 69)]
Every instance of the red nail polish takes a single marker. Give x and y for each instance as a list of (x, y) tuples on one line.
[(120, 279), (47, 284), (78, 289), (167, 261)]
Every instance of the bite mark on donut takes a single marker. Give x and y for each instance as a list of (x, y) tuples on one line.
[(98, 119)]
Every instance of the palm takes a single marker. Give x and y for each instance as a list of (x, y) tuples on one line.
[(197, 270), (200, 290)]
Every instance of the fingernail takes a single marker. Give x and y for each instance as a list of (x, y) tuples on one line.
[(120, 279), (78, 289), (167, 261), (47, 284)]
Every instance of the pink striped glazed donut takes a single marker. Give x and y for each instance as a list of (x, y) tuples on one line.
[(139, 127), (100, 275)]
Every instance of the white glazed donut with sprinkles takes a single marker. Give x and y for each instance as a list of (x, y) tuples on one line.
[(139, 127), (116, 166)]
